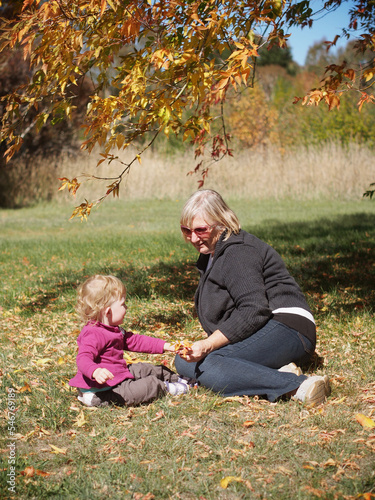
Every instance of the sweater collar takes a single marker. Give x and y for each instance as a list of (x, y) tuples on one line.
[(221, 245), (115, 329)]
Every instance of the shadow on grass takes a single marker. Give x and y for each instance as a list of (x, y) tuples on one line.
[(330, 256), (327, 256)]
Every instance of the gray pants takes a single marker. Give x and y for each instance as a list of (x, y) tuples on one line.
[(147, 385)]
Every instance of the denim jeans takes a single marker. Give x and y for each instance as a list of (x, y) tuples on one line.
[(250, 367)]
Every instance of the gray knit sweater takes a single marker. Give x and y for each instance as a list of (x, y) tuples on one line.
[(245, 283)]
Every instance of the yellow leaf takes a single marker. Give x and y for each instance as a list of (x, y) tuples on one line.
[(369, 74), (44, 361), (80, 421), (228, 479), (57, 450), (365, 421)]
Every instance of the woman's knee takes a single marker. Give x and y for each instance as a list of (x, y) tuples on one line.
[(184, 368)]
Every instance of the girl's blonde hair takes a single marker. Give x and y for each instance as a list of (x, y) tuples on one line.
[(96, 294), (209, 205)]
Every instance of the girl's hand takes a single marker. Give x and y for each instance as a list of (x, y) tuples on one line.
[(169, 347), (101, 375)]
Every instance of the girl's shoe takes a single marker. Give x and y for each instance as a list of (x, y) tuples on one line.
[(86, 398), (176, 388)]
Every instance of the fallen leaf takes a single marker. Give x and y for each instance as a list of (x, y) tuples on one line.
[(42, 473), (25, 388), (160, 414), (248, 423), (131, 360), (329, 463), (365, 421), (28, 471), (80, 421), (119, 459), (314, 491), (43, 361), (284, 470), (229, 479), (57, 450), (338, 401)]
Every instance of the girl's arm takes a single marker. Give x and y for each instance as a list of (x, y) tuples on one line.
[(89, 345)]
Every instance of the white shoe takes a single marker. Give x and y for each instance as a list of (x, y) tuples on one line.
[(86, 398), (191, 382), (291, 368), (314, 390)]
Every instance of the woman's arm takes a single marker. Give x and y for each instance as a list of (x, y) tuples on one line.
[(201, 348)]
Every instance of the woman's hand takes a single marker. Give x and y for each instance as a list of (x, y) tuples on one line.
[(101, 375), (196, 351), (201, 348)]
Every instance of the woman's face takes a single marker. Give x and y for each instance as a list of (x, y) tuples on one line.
[(205, 242)]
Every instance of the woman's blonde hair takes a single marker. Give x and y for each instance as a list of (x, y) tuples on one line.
[(209, 205), (96, 294)]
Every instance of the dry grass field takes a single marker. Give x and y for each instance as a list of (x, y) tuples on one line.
[(331, 171)]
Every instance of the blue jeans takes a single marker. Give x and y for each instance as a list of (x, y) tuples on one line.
[(250, 367)]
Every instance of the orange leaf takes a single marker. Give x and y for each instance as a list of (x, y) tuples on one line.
[(103, 6), (28, 471), (248, 423), (42, 473), (25, 388)]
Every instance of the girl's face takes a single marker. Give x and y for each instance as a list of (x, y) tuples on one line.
[(115, 313), (204, 242)]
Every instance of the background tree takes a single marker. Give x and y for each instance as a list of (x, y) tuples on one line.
[(277, 56), (155, 66)]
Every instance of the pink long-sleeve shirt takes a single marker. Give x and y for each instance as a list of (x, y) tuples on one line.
[(102, 346)]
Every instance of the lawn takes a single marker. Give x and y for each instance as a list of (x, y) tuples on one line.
[(199, 445)]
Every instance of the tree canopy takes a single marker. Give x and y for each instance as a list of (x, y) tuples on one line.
[(157, 66)]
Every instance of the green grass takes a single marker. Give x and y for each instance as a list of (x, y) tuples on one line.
[(182, 447)]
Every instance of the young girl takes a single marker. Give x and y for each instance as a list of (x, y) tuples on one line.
[(103, 376)]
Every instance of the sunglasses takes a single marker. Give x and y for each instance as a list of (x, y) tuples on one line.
[(199, 231)]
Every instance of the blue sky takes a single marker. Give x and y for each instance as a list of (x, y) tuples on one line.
[(324, 27)]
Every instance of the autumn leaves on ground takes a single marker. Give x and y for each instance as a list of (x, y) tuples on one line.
[(195, 446)]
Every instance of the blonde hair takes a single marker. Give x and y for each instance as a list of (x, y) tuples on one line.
[(96, 294), (209, 205)]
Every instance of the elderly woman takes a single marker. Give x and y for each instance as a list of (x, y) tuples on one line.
[(256, 317)]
